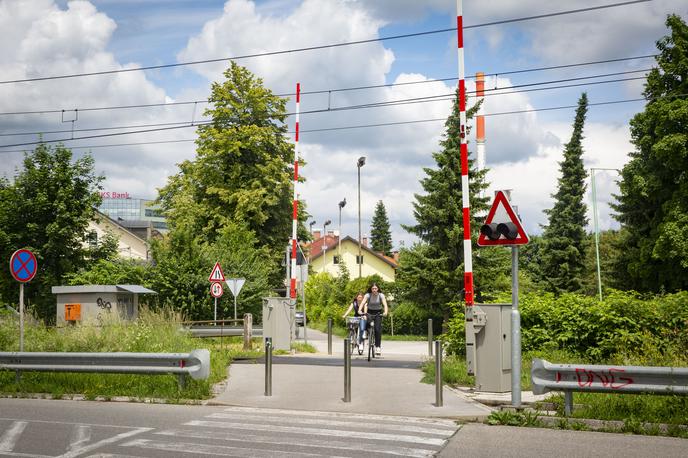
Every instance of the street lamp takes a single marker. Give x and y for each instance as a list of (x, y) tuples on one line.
[(327, 223), (310, 227), (596, 228), (359, 164), (339, 247)]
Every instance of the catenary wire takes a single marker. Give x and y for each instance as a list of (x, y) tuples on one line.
[(333, 45), (120, 107), (389, 103), (533, 110)]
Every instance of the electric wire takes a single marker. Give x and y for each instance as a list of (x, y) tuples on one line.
[(333, 45), (532, 110), (119, 107), (389, 103)]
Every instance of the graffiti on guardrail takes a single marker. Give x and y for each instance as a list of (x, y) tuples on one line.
[(613, 378)]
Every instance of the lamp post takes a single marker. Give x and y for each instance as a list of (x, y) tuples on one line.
[(339, 239), (327, 223), (596, 227), (310, 227), (359, 164)]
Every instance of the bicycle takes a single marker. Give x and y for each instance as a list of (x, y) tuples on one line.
[(353, 325), (372, 335)]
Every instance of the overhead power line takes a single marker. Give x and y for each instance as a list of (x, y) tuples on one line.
[(149, 105), (533, 110), (389, 103), (332, 45)]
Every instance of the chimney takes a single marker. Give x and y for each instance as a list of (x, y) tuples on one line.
[(316, 234), (364, 241), (330, 233), (395, 256)]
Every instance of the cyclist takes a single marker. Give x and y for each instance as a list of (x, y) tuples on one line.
[(356, 305), (375, 306)]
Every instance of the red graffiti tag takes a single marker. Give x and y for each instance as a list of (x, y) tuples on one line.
[(608, 378)]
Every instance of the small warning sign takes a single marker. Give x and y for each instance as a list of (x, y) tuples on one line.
[(216, 275)]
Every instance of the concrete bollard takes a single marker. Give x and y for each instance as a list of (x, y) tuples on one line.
[(248, 330)]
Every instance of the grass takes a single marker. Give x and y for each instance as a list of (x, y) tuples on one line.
[(640, 413), (152, 332)]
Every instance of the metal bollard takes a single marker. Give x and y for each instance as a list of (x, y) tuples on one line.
[(430, 336), (568, 403), (329, 336), (347, 370), (268, 366), (438, 374), (181, 381)]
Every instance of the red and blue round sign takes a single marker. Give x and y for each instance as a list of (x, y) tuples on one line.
[(23, 265)]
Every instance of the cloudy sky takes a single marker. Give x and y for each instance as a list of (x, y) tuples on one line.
[(43, 38)]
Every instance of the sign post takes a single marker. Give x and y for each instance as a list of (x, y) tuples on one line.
[(503, 228), (216, 278), (235, 285), (23, 266)]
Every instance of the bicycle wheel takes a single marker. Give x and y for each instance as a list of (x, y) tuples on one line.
[(371, 343)]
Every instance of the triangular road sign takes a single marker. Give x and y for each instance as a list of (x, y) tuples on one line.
[(216, 274), (235, 285), (502, 226)]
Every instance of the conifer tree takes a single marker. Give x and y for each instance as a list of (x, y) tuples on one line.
[(562, 255), (431, 272), (653, 200), (380, 235)]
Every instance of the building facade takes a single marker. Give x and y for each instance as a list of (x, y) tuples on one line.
[(326, 256), (141, 216)]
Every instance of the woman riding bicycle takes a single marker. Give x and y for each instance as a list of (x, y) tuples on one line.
[(375, 306), (358, 312)]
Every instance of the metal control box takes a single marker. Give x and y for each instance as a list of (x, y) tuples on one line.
[(278, 321), (492, 328)]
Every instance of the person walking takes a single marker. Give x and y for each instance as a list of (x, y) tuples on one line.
[(375, 306), (357, 306)]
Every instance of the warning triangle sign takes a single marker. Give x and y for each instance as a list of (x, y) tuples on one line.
[(216, 275), (502, 226)]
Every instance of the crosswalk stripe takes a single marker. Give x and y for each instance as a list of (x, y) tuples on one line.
[(352, 426), (206, 449), (319, 432), (438, 422), (81, 434), (11, 436), (111, 440), (350, 445)]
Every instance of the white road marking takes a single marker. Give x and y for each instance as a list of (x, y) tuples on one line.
[(318, 432), (11, 436), (81, 434), (111, 440), (366, 418), (351, 444), (205, 449), (351, 425)]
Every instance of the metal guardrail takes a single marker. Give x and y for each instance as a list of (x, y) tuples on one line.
[(219, 331), (196, 364), (546, 377)]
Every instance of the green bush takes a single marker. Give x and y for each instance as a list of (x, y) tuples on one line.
[(408, 319)]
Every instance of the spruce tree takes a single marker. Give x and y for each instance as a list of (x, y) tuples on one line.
[(380, 235), (653, 201), (431, 272), (562, 255)]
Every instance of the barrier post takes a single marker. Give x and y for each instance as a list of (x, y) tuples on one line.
[(268, 366), (347, 370), (248, 330), (568, 403), (430, 336), (329, 336), (438, 374)]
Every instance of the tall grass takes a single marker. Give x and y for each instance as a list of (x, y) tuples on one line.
[(158, 332)]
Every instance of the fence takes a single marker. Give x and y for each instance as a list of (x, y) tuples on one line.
[(547, 377), (195, 364)]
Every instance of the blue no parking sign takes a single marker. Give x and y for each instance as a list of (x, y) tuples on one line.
[(23, 265)]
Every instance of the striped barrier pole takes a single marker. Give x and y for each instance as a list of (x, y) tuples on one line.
[(292, 285)]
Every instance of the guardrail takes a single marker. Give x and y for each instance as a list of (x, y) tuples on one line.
[(217, 328), (568, 378), (195, 364)]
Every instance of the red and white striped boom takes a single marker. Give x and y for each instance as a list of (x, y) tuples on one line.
[(292, 284)]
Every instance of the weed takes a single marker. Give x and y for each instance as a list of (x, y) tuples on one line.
[(505, 417), (563, 423), (579, 426)]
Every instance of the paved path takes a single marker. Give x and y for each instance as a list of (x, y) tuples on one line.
[(390, 385)]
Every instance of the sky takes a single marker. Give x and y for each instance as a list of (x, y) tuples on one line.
[(58, 37)]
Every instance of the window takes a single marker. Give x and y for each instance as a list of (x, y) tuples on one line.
[(92, 239), (335, 259), (359, 259)]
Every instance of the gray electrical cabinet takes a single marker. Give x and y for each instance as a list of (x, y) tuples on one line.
[(492, 328), (278, 321)]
